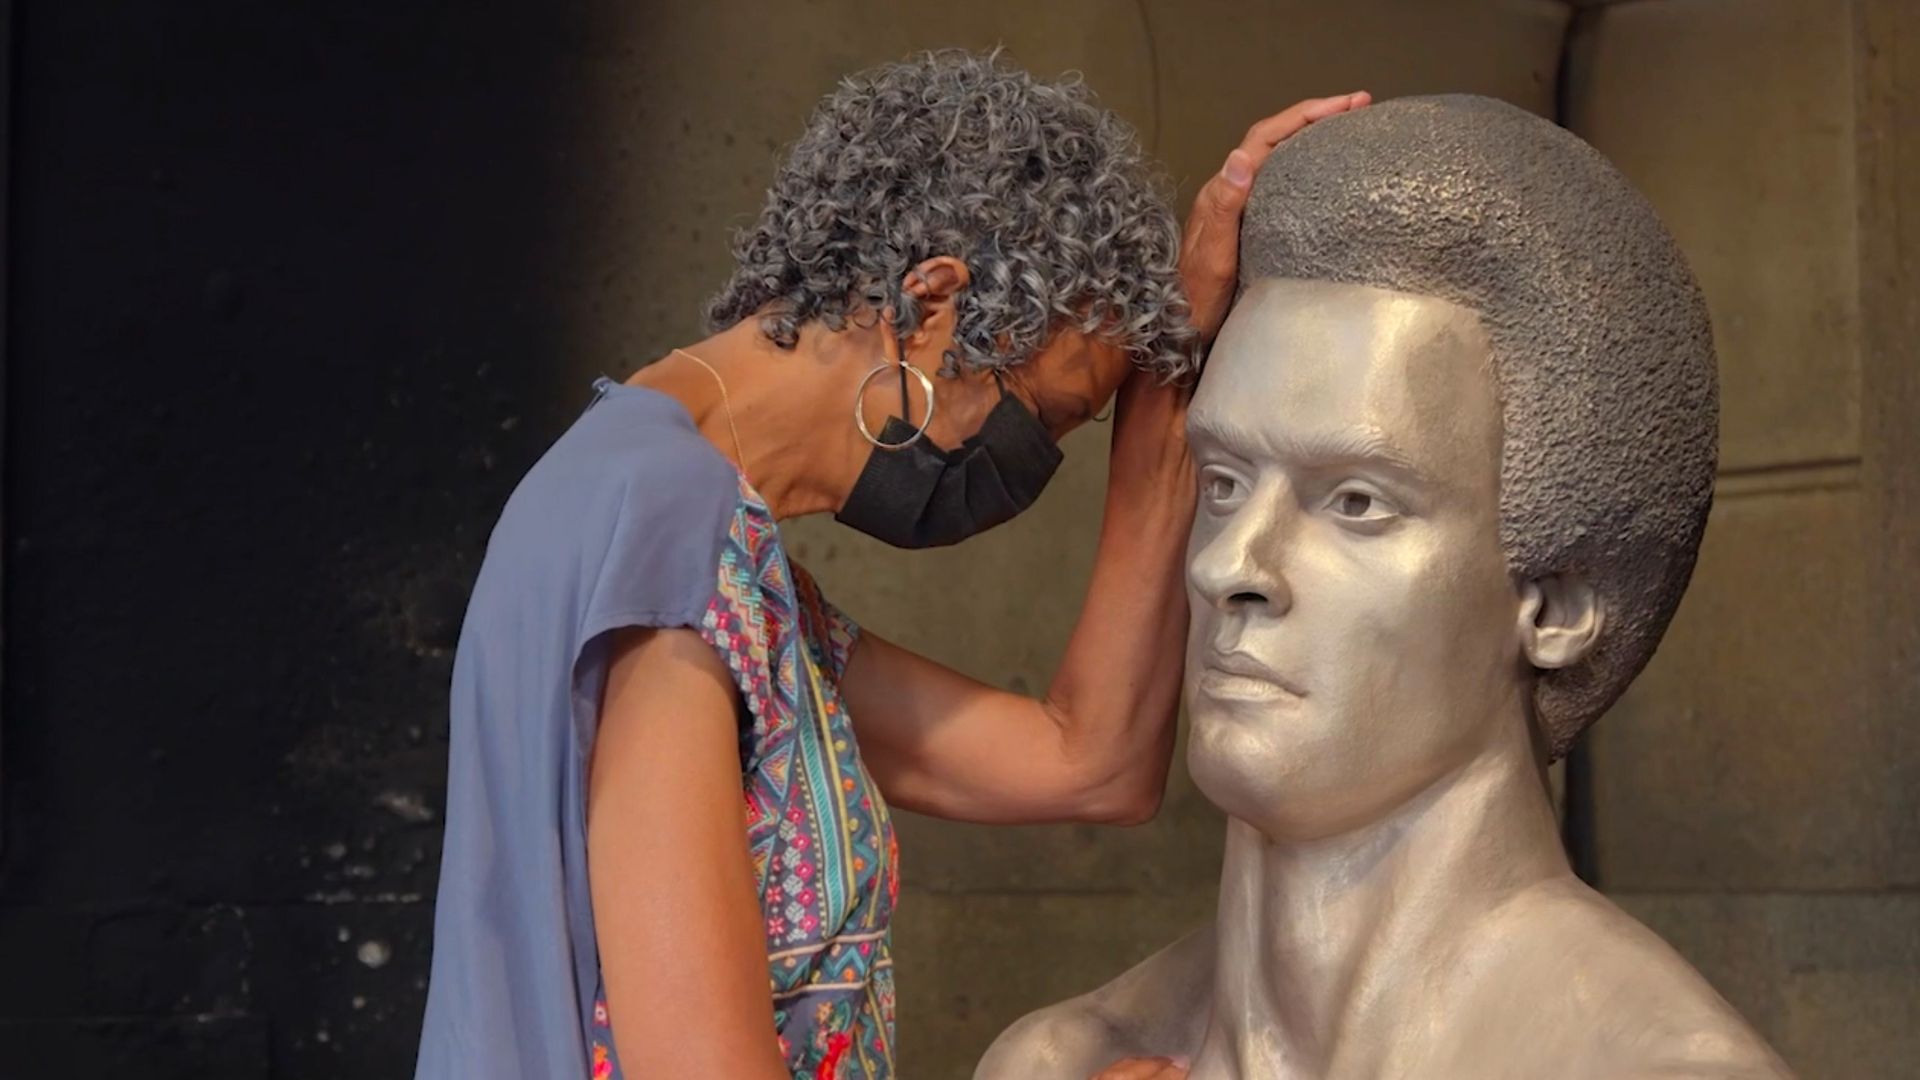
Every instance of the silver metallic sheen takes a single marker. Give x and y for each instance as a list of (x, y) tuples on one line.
[(1456, 448)]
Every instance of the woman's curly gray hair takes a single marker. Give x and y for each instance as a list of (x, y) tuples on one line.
[(1044, 195)]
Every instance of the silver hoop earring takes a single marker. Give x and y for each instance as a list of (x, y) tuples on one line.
[(860, 394)]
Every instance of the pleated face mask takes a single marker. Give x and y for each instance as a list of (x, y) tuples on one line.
[(921, 496)]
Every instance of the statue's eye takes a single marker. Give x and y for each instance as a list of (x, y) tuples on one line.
[(1355, 504), (1218, 487), (1358, 507)]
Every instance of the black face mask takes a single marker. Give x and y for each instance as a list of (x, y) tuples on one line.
[(922, 496)]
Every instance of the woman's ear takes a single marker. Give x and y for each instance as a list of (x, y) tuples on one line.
[(1560, 620), (937, 279), (933, 285), (929, 290)]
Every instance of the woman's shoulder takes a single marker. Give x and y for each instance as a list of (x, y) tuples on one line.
[(631, 502), (633, 454), (641, 439)]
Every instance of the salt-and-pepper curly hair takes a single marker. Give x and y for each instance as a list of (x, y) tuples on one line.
[(1045, 195)]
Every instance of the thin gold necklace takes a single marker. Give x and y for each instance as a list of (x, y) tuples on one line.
[(726, 403)]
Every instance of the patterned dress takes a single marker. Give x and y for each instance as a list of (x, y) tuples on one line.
[(632, 519), (824, 855)]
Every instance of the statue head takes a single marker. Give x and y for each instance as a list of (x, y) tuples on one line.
[(1458, 448)]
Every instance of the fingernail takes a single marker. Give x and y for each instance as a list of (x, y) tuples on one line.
[(1238, 170)]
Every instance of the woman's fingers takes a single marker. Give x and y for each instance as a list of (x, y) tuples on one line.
[(1210, 246), (1158, 1068), (1266, 134)]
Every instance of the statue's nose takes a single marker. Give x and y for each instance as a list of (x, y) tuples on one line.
[(1239, 569)]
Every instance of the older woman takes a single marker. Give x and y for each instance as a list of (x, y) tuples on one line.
[(672, 760)]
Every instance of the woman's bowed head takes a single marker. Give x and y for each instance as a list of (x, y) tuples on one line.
[(966, 263)]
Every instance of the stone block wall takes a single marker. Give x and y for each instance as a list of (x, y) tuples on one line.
[(1754, 796)]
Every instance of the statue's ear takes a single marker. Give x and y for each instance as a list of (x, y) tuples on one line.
[(1560, 620)]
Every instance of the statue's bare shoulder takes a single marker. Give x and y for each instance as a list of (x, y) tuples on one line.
[(1597, 986), (1557, 982), (1156, 1008)]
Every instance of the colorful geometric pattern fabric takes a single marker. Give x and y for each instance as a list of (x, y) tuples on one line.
[(824, 855)]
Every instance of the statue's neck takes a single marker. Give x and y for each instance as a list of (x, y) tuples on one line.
[(1328, 949)]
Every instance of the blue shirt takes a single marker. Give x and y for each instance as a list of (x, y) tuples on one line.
[(633, 519)]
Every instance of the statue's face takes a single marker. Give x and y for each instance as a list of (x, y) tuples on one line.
[(1354, 631)]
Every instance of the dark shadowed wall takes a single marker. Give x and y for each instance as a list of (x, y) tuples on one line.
[(296, 292), (284, 334)]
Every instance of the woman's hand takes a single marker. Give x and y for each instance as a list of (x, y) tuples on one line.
[(1210, 247), (1143, 1069)]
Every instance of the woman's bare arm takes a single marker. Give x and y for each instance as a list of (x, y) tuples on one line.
[(1096, 747), (682, 948)]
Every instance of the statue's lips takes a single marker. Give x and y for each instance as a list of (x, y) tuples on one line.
[(1239, 677)]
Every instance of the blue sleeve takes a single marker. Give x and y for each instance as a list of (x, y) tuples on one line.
[(663, 554)]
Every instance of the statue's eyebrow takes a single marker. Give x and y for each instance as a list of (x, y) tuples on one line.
[(1204, 424), (1358, 445), (1352, 444)]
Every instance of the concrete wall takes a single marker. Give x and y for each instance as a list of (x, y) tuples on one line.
[(1754, 796)]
